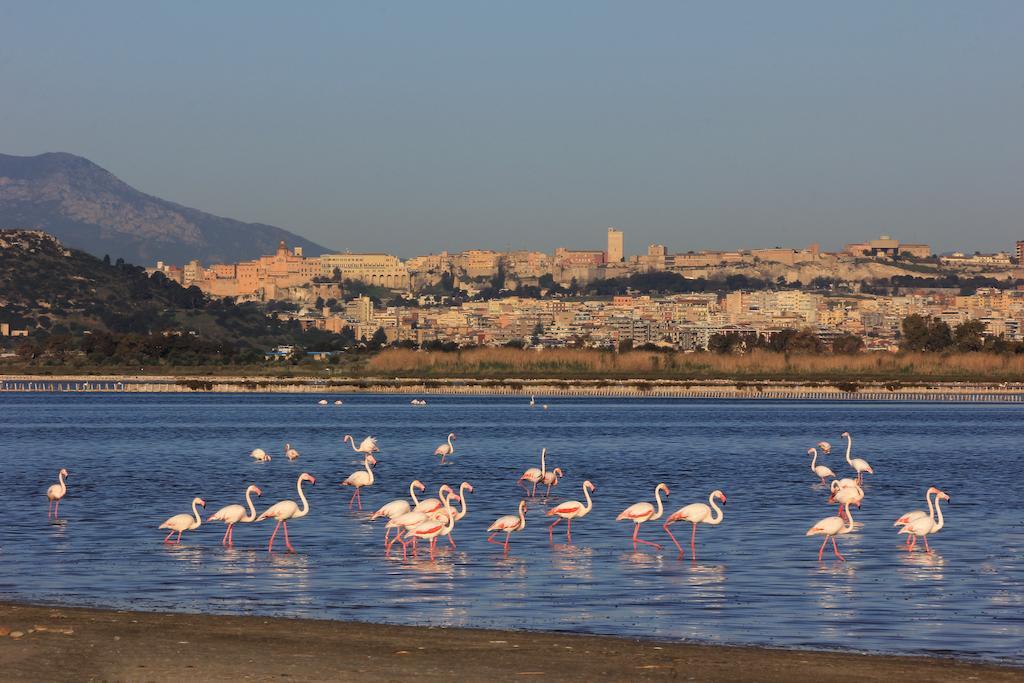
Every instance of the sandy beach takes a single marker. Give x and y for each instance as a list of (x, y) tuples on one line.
[(41, 643)]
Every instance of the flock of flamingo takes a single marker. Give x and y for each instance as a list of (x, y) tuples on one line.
[(414, 520)]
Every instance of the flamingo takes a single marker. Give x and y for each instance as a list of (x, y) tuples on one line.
[(233, 514), (917, 514), (446, 449), (54, 493), (638, 513), (819, 470), (359, 479), (509, 524), (533, 474), (259, 455), (696, 513), (571, 510), (551, 478), (852, 494), (533, 401), (399, 507), (287, 509), (367, 447), (290, 452), (337, 403), (859, 465), (459, 514), (184, 521), (422, 512), (825, 447), (923, 526), (322, 402), (432, 505), (830, 527), (432, 528)]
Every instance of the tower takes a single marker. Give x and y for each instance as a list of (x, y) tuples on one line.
[(614, 245)]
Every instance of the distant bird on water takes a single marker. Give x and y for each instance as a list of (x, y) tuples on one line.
[(290, 452), (287, 509), (359, 479), (260, 455), (819, 470), (368, 446), (534, 475), (446, 449), (859, 465), (184, 522), (233, 514), (55, 493)]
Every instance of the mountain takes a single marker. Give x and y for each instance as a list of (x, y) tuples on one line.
[(89, 208)]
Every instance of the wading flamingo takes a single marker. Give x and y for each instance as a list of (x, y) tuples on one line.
[(184, 522), (432, 528), (397, 508), (233, 514), (464, 487), (322, 402), (432, 505), (290, 452), (859, 465), (54, 493), (918, 514), (830, 527), (359, 479), (424, 510), (571, 510), (696, 513), (259, 455), (367, 447), (841, 495), (819, 470), (825, 447), (638, 513), (534, 475), (551, 478), (508, 524), (446, 449), (923, 526), (287, 509), (533, 401)]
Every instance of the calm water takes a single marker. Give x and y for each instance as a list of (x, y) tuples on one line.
[(136, 459)]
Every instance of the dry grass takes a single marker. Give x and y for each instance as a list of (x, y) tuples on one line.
[(573, 363)]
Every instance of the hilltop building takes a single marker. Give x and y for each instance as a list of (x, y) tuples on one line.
[(614, 253), (886, 246)]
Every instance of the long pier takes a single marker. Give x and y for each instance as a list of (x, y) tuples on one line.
[(715, 390)]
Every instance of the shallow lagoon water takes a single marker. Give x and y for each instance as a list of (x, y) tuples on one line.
[(137, 459)]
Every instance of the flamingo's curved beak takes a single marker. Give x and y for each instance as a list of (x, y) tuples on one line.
[(202, 503), (470, 488), (724, 499), (258, 491), (312, 479)]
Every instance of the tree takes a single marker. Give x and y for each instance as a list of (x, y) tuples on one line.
[(725, 343), (538, 330), (915, 333), (847, 344), (379, 339), (969, 336)]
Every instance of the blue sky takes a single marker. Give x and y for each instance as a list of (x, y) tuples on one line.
[(418, 126)]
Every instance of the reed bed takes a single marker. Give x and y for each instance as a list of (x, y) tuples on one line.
[(589, 364)]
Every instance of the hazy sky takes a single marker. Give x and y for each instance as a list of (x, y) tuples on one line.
[(419, 126)]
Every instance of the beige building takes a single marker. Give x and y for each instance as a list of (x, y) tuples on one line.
[(382, 270), (615, 251), (887, 246)]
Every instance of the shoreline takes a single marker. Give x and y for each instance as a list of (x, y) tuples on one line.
[(75, 643), (997, 392)]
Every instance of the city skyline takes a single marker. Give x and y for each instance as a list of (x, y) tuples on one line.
[(399, 129)]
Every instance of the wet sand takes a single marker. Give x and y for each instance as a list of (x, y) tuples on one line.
[(61, 643)]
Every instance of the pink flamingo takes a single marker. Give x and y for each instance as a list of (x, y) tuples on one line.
[(359, 479), (423, 512), (287, 509), (918, 514), (825, 447), (432, 528), (464, 487), (509, 524), (551, 478), (184, 522), (367, 447), (397, 508), (446, 449), (830, 527), (233, 514), (859, 465), (638, 513), (571, 510), (290, 452), (696, 513), (432, 505), (54, 493), (259, 455), (923, 526), (819, 470), (533, 474), (852, 494)]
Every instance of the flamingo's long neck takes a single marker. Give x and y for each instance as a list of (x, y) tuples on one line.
[(302, 496), (63, 486), (938, 511), (657, 496), (252, 508), (586, 494), (451, 446), (931, 508), (717, 514), (366, 464), (849, 448), (451, 518), (849, 520), (543, 452), (195, 512), (412, 494), (348, 437), (522, 515), (462, 498), (814, 460)]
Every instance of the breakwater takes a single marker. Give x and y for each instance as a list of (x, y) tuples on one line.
[(708, 389)]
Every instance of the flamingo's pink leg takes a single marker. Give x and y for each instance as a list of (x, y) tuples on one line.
[(167, 538), (835, 549), (433, 544), (670, 535), (508, 535), (548, 494), (224, 541), (490, 539), (693, 542), (178, 541), (913, 542), (56, 509), (926, 548), (551, 530), (822, 548), (533, 494), (270, 548), (49, 509), (451, 540), (287, 543), (568, 531)]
